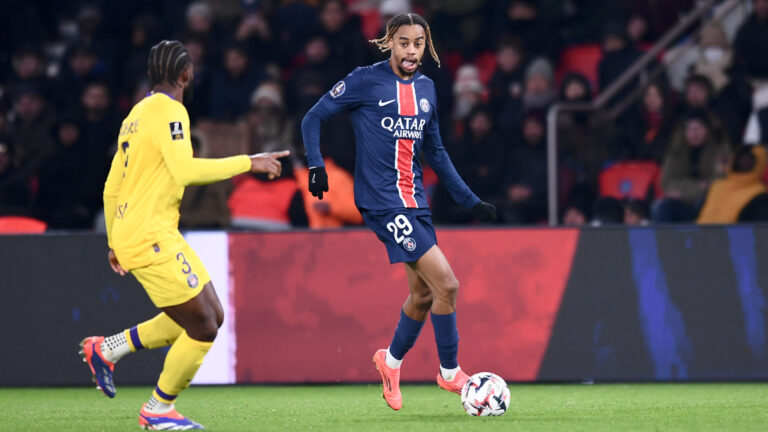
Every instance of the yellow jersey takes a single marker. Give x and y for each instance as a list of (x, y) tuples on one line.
[(151, 166)]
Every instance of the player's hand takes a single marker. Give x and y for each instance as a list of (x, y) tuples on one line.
[(318, 181), (116, 267), (268, 163), (484, 212)]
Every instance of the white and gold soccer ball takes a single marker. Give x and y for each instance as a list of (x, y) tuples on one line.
[(485, 394)]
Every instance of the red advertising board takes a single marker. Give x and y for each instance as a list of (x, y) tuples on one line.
[(315, 306)]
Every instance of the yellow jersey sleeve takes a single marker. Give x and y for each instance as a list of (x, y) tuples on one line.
[(111, 193), (176, 147)]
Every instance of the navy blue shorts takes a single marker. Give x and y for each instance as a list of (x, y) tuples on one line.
[(407, 233)]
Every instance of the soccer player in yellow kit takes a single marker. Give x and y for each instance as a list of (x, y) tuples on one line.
[(150, 169)]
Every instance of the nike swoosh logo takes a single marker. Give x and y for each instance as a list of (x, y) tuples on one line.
[(385, 103), (313, 177)]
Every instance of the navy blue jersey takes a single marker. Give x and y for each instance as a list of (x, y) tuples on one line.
[(394, 120)]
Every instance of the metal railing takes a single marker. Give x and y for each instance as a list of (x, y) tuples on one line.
[(640, 69)]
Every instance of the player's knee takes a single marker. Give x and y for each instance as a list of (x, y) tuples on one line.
[(208, 332), (207, 329), (450, 288), (422, 301)]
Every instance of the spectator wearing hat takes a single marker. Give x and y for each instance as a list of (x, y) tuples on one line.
[(539, 91), (468, 91), (694, 159), (270, 128)]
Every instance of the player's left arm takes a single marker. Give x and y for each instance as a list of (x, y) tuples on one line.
[(437, 157)]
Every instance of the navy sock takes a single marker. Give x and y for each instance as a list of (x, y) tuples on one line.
[(407, 331), (447, 339)]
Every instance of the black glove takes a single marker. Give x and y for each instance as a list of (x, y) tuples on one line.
[(484, 212), (318, 181)]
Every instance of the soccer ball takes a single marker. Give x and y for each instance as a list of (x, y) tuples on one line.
[(485, 394)]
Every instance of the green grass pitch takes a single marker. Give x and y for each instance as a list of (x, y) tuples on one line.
[(538, 407)]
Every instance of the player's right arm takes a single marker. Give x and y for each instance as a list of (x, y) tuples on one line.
[(176, 147), (111, 192), (344, 95)]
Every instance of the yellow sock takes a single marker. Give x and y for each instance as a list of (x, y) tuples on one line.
[(157, 332), (181, 364)]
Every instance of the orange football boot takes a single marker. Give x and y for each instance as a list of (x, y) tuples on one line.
[(390, 380), (454, 385)]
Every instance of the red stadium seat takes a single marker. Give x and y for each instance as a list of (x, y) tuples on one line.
[(21, 225), (582, 59), (631, 179), (486, 64)]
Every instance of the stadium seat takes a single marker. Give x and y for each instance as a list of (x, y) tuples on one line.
[(631, 179), (21, 225), (486, 64), (582, 59)]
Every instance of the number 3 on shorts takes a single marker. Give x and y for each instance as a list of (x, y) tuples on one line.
[(401, 223), (185, 267)]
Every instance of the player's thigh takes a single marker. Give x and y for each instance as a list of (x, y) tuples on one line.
[(433, 268), (176, 280)]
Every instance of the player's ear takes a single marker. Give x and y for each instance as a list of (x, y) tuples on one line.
[(390, 44), (186, 76)]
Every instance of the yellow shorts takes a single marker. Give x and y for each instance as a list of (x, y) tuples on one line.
[(174, 281)]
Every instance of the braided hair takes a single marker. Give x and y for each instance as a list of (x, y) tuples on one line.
[(406, 19), (167, 61)]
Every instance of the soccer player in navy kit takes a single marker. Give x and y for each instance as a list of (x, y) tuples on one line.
[(392, 107)]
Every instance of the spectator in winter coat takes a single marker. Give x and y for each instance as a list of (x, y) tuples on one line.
[(694, 159)]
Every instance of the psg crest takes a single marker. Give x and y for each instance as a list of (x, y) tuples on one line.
[(424, 104), (409, 244), (192, 280)]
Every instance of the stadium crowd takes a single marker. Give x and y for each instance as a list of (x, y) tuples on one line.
[(71, 70)]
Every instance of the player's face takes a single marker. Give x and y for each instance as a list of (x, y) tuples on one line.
[(407, 47)]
